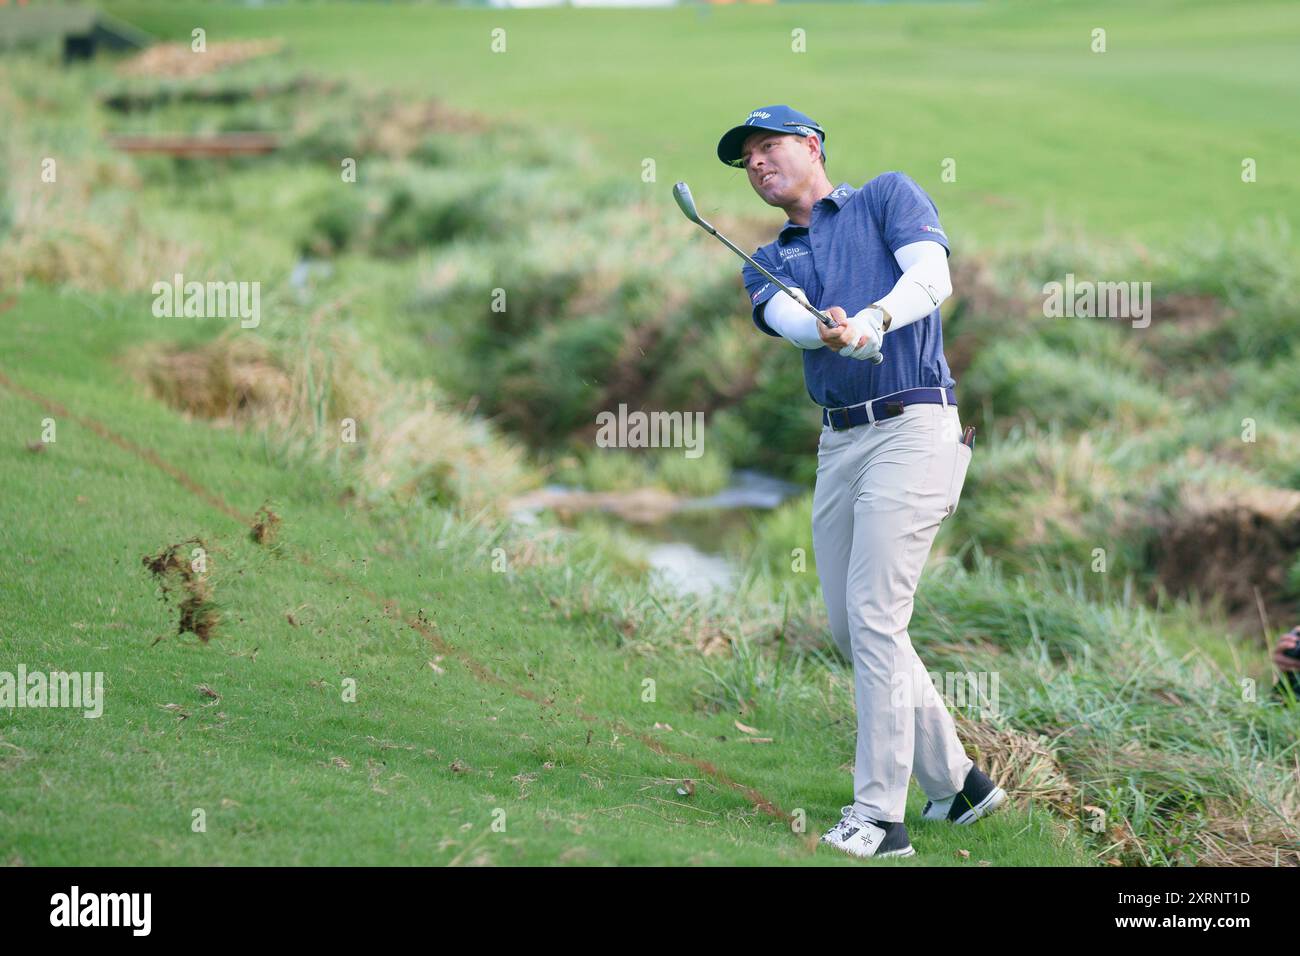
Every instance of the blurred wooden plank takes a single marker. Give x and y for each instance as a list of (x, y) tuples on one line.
[(222, 144)]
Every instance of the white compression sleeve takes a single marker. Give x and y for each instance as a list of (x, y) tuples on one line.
[(925, 283), (792, 321)]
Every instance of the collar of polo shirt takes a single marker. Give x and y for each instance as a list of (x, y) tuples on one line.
[(839, 196)]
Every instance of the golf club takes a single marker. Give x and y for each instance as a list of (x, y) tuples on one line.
[(686, 203)]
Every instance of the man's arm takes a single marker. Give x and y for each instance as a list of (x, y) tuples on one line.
[(924, 284), (761, 290), (919, 290), (791, 320)]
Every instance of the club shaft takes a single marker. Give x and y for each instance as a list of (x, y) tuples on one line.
[(825, 319), (685, 202)]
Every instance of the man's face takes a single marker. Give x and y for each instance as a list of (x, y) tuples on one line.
[(780, 165)]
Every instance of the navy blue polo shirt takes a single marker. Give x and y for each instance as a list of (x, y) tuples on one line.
[(846, 258)]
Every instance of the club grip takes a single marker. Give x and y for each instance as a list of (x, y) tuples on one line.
[(827, 321)]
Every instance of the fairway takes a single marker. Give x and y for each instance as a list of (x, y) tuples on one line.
[(302, 544), (1142, 143)]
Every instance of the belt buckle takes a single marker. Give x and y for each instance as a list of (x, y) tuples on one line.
[(844, 412)]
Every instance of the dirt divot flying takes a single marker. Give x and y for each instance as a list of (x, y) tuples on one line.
[(420, 622)]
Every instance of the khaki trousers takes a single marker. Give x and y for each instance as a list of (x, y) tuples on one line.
[(882, 490)]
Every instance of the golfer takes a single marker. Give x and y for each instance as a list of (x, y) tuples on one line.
[(891, 461)]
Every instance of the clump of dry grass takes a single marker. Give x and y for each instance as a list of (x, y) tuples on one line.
[(1250, 830), (1025, 766), (227, 379), (404, 438), (180, 60), (87, 255), (422, 445), (1250, 835), (77, 230)]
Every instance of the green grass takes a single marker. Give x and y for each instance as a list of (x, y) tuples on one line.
[(285, 770), (1141, 700), (412, 772), (1144, 141)]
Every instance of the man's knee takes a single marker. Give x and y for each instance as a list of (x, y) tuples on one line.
[(878, 615), (839, 620)]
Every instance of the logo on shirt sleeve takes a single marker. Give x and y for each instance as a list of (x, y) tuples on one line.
[(754, 297), (934, 229)]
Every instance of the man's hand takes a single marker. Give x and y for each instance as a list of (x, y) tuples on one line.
[(859, 337), (1281, 659)]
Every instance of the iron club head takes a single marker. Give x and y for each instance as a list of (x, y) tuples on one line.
[(686, 203)]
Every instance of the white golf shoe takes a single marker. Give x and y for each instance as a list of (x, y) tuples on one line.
[(859, 836)]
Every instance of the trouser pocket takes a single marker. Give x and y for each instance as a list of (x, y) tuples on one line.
[(961, 463)]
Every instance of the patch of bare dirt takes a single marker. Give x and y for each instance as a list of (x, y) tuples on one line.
[(977, 311), (1183, 345), (179, 60), (1193, 311), (640, 505), (1238, 544), (398, 127)]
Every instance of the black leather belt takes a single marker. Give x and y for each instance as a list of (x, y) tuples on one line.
[(891, 405)]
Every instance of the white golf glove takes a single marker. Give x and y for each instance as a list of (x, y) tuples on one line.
[(869, 322)]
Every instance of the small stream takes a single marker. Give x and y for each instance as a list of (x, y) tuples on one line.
[(695, 553), (692, 550)]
